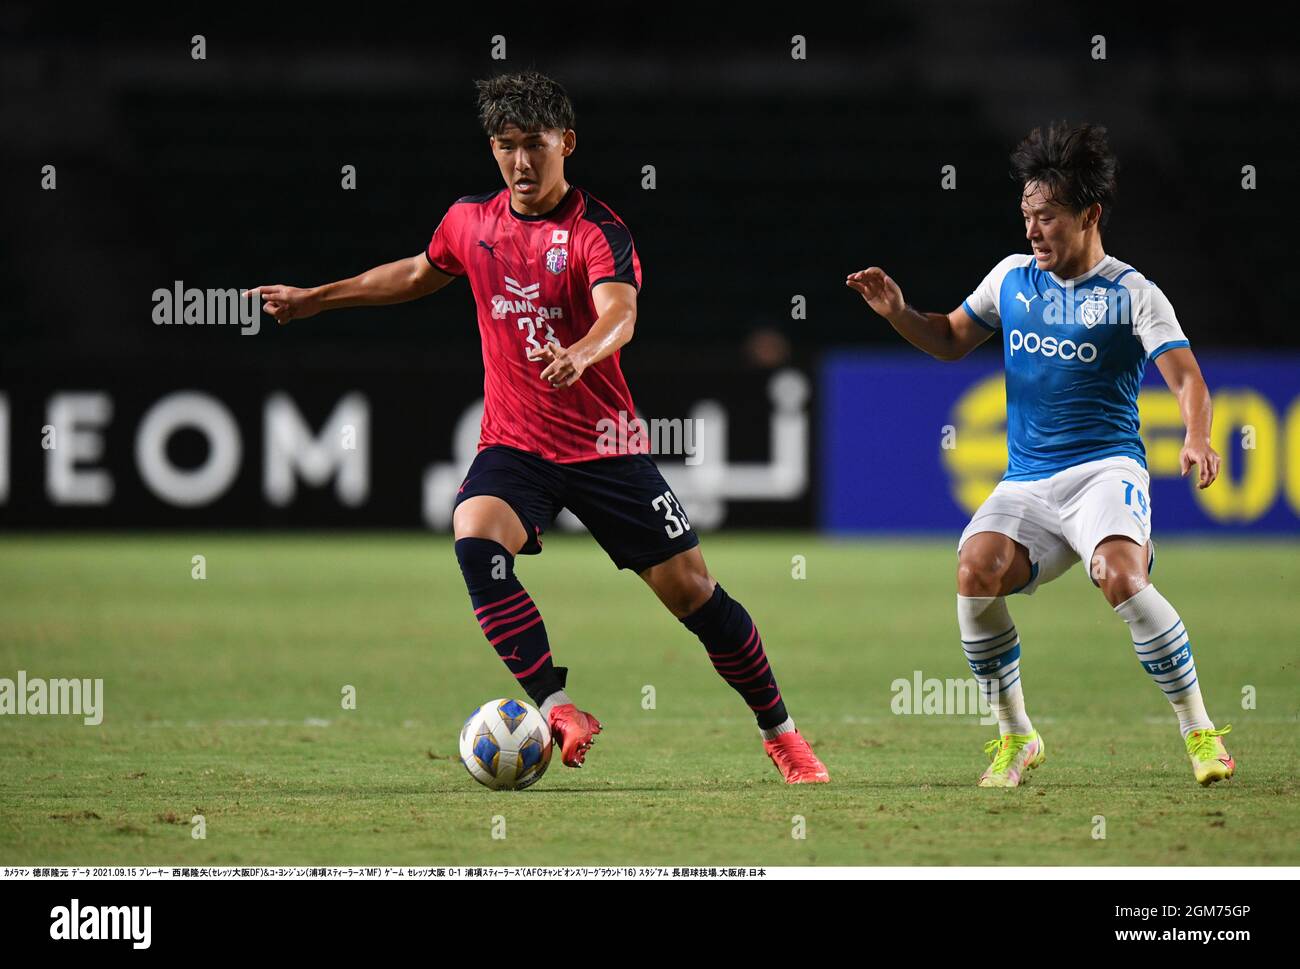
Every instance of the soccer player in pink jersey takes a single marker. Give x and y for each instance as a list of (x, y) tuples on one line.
[(555, 276)]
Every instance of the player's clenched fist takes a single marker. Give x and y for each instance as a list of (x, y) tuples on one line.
[(286, 303), (881, 293)]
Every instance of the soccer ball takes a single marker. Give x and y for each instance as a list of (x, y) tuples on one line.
[(505, 745)]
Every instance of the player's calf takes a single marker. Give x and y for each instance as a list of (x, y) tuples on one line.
[(991, 645), (733, 644), (513, 626), (1164, 649), (508, 616)]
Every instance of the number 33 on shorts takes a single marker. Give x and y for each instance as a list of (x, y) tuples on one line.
[(678, 523)]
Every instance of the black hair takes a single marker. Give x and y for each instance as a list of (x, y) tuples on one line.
[(529, 100), (1073, 164)]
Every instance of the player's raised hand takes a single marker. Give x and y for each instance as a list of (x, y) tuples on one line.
[(881, 293), (563, 367), (286, 303), (1206, 460)]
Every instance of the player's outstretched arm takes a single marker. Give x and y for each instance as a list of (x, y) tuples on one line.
[(1183, 375), (944, 337), (615, 321), (393, 282)]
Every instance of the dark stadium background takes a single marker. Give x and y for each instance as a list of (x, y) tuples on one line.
[(290, 672), (775, 177)]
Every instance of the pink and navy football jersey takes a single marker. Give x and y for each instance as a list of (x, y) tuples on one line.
[(532, 277)]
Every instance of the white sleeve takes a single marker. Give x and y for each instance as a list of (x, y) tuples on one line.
[(1154, 322), (983, 303)]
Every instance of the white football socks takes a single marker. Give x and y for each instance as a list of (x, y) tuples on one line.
[(557, 699), (1165, 652), (786, 726), (992, 647)]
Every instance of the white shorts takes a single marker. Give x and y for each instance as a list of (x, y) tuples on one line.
[(1062, 519)]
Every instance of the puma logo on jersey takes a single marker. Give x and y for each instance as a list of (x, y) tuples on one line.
[(1021, 297), (489, 247)]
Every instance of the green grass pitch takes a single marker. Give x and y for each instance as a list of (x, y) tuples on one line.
[(222, 697)]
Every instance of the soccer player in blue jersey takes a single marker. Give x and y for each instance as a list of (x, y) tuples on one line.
[(1078, 328)]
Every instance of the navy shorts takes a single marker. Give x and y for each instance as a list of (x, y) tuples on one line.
[(624, 501)]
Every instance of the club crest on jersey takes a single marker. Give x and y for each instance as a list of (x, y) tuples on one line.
[(1093, 309), (557, 258)]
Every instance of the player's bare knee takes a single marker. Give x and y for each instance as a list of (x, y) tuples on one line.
[(980, 576), (1119, 569), (681, 590), (689, 593), (1120, 584)]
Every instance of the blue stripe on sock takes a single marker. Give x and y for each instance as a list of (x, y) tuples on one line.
[(1173, 646), (1000, 674), (976, 652), (1165, 645), (1183, 675), (975, 642), (1181, 689), (1153, 639), (983, 666), (1010, 668)]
